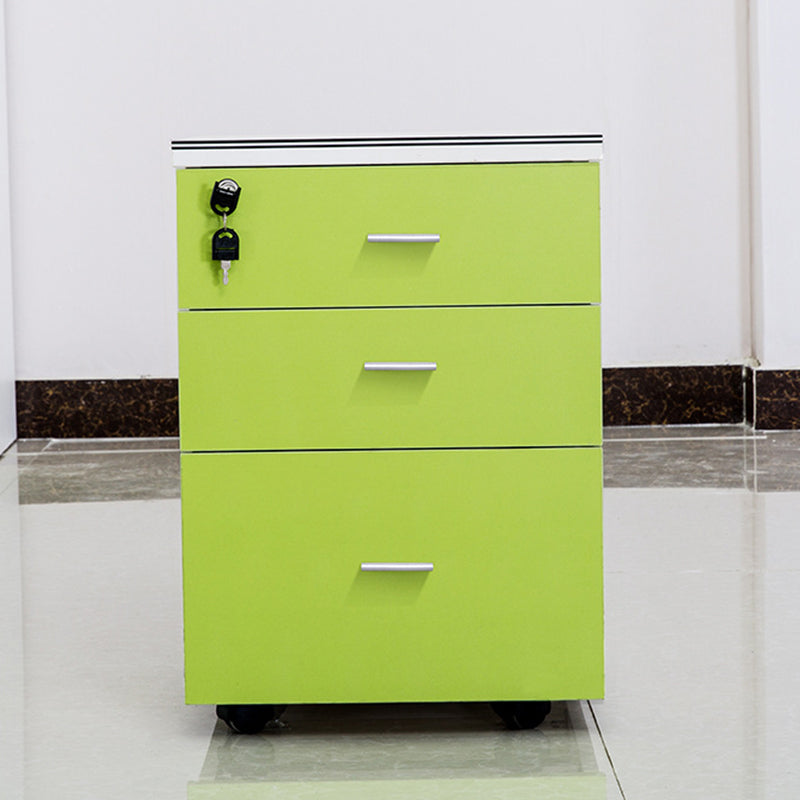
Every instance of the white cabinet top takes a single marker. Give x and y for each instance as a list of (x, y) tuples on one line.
[(401, 150)]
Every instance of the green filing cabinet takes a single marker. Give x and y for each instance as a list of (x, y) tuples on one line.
[(391, 424)]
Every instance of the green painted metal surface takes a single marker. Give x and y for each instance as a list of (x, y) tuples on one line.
[(273, 380), (510, 233), (278, 611)]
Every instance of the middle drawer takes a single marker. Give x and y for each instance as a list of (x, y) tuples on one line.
[(296, 379)]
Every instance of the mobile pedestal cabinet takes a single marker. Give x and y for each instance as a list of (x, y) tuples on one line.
[(391, 424)]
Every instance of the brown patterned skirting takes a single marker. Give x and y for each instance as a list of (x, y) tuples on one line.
[(97, 408), (777, 399), (673, 395), (770, 399)]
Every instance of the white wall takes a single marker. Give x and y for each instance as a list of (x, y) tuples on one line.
[(95, 97), (676, 273), (777, 189), (8, 419)]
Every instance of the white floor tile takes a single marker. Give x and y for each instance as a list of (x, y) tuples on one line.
[(679, 689), (702, 643), (104, 715), (677, 530), (702, 639)]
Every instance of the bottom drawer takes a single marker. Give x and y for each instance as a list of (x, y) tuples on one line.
[(279, 610)]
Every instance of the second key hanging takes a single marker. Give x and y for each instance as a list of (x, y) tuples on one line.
[(225, 249)]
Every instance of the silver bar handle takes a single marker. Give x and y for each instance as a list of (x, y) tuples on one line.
[(396, 566), (400, 366), (403, 237)]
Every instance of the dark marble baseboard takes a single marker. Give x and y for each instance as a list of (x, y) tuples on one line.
[(765, 399), (673, 395), (97, 408), (723, 394), (777, 399)]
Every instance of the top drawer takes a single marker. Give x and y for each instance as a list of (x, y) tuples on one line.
[(509, 234)]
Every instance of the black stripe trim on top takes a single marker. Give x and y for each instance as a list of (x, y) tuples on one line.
[(226, 144)]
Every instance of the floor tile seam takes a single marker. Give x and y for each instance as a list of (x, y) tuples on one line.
[(25, 463), (587, 727), (25, 460), (606, 750), (9, 486)]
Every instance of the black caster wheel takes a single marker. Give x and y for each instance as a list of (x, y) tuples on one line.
[(522, 715), (249, 719)]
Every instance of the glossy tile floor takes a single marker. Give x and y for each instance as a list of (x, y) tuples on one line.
[(702, 552)]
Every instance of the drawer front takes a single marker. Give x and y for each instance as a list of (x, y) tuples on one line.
[(509, 233), (289, 380), (278, 609)]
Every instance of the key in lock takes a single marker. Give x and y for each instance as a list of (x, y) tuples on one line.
[(225, 196), (225, 248)]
